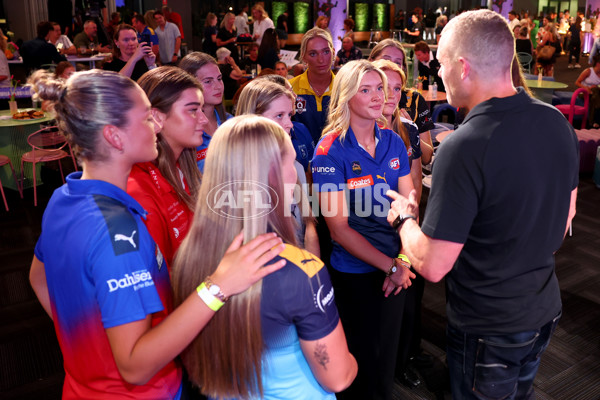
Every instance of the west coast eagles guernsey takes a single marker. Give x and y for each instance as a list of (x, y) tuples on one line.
[(297, 303), (103, 270), (345, 165)]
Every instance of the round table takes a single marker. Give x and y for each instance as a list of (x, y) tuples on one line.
[(543, 90), (441, 96), (13, 143)]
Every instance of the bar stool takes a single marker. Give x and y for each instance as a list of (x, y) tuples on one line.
[(4, 160)]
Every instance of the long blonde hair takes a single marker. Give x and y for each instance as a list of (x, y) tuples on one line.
[(245, 152), (398, 126), (316, 33), (257, 96), (345, 86), (385, 43)]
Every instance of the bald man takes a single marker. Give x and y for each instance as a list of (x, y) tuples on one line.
[(496, 214)]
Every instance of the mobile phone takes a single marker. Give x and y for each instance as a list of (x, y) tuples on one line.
[(147, 38)]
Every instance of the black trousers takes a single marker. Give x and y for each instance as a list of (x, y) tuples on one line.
[(372, 325)]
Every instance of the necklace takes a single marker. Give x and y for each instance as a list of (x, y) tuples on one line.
[(319, 94)]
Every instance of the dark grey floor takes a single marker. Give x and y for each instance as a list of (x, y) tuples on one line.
[(30, 361)]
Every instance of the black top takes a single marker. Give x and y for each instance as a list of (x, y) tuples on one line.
[(575, 32), (523, 46), (117, 64), (509, 207), (38, 52), (225, 35), (208, 46), (417, 109), (280, 21), (429, 71), (269, 59)]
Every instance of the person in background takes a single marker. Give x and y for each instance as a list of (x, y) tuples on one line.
[(227, 35), (348, 29), (282, 28), (575, 43), (175, 18), (589, 79), (167, 187), (130, 58), (440, 23), (4, 68), (250, 63), (550, 39), (495, 250), (281, 69), (313, 87), (429, 66), (322, 22), (412, 105), (62, 43), (348, 52), (241, 21), (88, 39), (206, 70), (430, 22), (169, 39), (354, 153), (209, 43), (115, 334), (263, 96), (268, 51), (230, 72), (64, 70), (111, 26), (415, 31), (278, 340), (38, 52), (261, 23), (150, 21), (145, 33), (513, 20)]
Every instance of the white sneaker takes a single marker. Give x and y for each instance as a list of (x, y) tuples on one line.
[(570, 66), (577, 66)]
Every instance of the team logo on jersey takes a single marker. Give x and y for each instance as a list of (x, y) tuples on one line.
[(300, 105), (394, 163), (136, 280), (201, 154), (322, 299), (303, 151), (356, 168), (409, 151), (363, 181), (159, 258), (176, 232), (382, 177)]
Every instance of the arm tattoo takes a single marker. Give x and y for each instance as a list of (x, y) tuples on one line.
[(321, 354)]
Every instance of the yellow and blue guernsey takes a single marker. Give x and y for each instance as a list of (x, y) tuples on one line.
[(347, 166), (311, 109), (297, 303), (103, 270)]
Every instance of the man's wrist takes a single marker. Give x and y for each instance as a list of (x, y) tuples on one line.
[(401, 219)]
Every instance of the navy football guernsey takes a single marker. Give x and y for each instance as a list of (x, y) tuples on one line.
[(346, 166), (303, 144)]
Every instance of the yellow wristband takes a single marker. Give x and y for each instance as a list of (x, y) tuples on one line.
[(211, 301), (405, 259)]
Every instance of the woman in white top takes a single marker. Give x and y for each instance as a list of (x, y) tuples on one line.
[(261, 23)]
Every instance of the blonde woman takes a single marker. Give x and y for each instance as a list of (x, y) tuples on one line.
[(206, 69), (412, 104), (275, 102), (313, 87), (393, 119), (283, 339), (227, 35), (108, 291), (168, 186), (354, 165), (261, 22)]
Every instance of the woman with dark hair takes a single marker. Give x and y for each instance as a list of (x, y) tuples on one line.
[(268, 51), (575, 35), (283, 338), (130, 58), (206, 69), (96, 270), (168, 186), (64, 70)]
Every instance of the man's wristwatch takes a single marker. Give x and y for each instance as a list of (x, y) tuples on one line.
[(401, 219)]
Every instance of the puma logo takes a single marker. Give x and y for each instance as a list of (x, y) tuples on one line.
[(382, 177), (321, 147), (129, 239)]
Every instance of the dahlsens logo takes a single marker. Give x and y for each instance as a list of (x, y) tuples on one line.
[(357, 183), (322, 300), (323, 170), (137, 280)]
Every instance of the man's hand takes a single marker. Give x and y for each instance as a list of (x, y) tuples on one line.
[(402, 205)]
